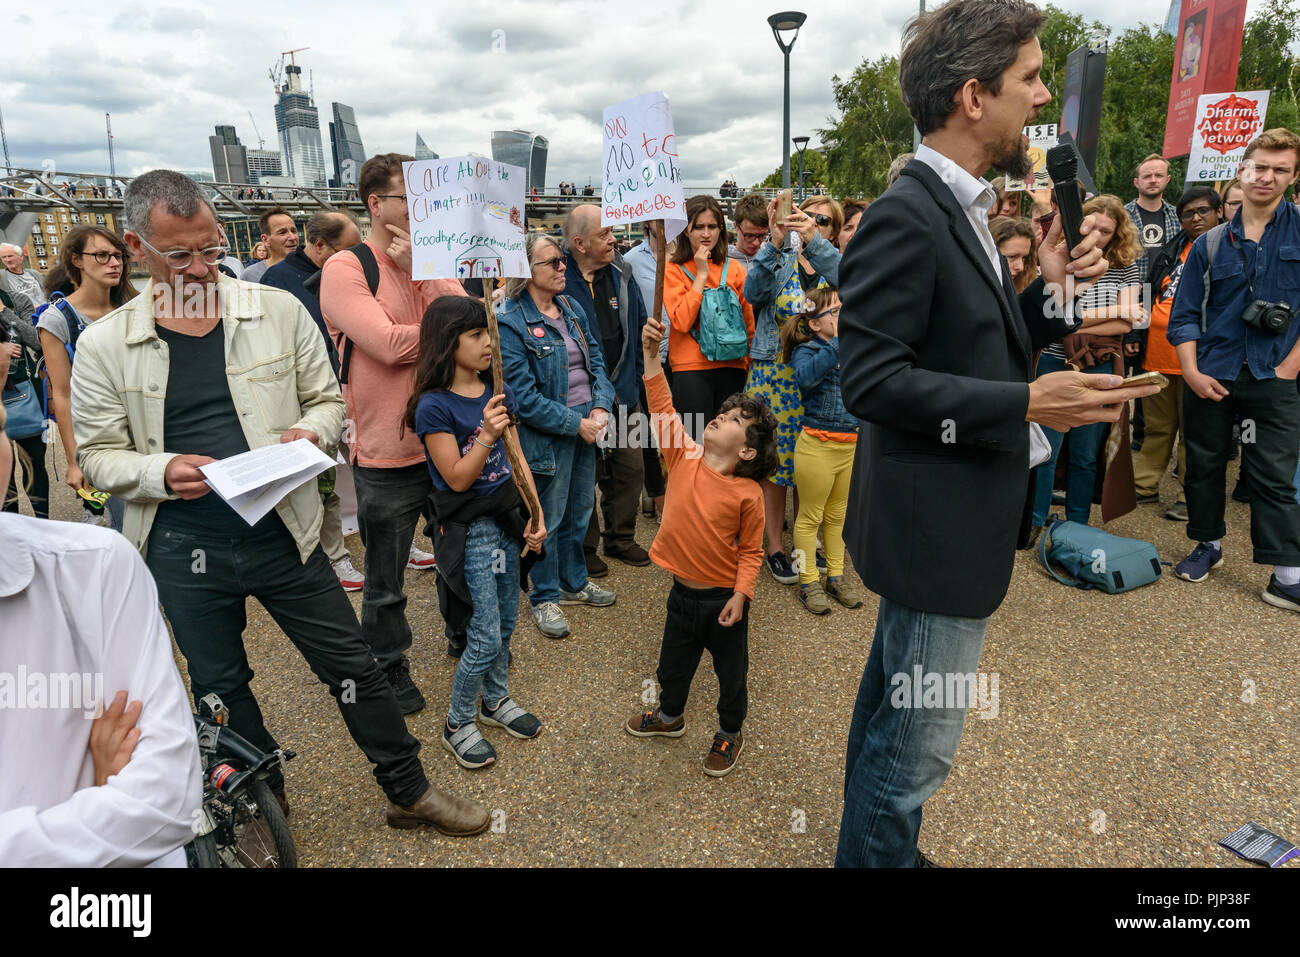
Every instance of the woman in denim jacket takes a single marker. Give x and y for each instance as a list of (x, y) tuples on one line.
[(775, 287), (555, 368), (823, 455)]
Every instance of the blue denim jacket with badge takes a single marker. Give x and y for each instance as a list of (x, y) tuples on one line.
[(816, 366), (537, 368), (767, 276)]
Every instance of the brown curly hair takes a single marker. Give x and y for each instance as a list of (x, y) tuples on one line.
[(760, 435)]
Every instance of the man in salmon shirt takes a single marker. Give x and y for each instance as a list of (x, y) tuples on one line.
[(382, 334), (1198, 210)]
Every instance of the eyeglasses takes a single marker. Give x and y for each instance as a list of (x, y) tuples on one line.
[(557, 263), (178, 259), (829, 312), (1199, 212), (752, 237), (104, 258), (401, 196)]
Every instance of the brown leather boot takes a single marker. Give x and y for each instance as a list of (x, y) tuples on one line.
[(454, 816)]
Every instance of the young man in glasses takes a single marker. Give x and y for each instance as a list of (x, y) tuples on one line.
[(1198, 210), (1239, 351), (197, 368), (750, 218), (378, 339)]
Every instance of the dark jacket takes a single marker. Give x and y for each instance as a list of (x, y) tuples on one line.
[(453, 513), (1159, 265), (290, 274), (816, 365), (935, 350), (624, 370)]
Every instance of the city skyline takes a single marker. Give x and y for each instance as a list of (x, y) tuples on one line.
[(721, 72)]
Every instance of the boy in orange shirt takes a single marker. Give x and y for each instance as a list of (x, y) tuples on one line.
[(711, 540)]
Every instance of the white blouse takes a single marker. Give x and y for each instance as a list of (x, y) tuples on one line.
[(79, 621)]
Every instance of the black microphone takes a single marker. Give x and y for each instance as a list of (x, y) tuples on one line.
[(1063, 168)]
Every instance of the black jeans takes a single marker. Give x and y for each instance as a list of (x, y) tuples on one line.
[(204, 583), (1272, 406), (390, 503), (39, 488), (691, 627), (699, 393)]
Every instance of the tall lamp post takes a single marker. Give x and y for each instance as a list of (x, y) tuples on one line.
[(800, 143), (789, 21)]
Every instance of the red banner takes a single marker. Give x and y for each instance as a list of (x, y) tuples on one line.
[(1206, 54)]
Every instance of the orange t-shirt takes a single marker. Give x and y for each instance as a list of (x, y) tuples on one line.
[(712, 529), (1160, 355), (682, 303)]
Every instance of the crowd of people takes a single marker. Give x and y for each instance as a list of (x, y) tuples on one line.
[(784, 343)]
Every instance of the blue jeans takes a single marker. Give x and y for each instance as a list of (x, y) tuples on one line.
[(899, 755), (567, 498), (1085, 451), (492, 575)]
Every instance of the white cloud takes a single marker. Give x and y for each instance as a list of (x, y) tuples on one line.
[(169, 72)]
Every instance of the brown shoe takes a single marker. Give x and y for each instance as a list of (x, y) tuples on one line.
[(633, 555), (650, 724), (454, 816), (722, 756), (596, 568)]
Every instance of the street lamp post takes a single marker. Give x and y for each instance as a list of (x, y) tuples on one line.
[(800, 143), (790, 20)]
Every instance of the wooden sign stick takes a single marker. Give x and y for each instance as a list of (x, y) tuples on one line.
[(515, 457), (660, 246)]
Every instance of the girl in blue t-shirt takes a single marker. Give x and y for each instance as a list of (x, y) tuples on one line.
[(465, 430)]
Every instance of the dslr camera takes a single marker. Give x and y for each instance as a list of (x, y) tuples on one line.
[(1270, 317)]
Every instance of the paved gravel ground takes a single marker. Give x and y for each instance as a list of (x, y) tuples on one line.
[(1123, 734)]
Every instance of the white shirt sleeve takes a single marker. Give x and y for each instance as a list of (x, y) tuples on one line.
[(147, 811)]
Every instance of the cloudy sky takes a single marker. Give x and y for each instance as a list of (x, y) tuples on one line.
[(168, 72)]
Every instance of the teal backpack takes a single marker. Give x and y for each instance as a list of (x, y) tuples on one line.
[(721, 331), (1096, 559)]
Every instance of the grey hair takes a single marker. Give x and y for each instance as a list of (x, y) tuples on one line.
[(175, 192), (578, 223), (896, 167), (329, 224), (14, 246), (515, 286)]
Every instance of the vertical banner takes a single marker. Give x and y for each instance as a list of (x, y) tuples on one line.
[(641, 179), (1225, 125), (467, 218), (1206, 54), (1081, 96)]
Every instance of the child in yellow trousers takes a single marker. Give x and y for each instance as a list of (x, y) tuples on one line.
[(823, 453)]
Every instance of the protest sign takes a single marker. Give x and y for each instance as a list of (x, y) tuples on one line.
[(1225, 125), (1042, 137), (641, 179), (467, 218)]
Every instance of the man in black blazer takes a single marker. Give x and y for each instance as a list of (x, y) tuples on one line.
[(935, 350)]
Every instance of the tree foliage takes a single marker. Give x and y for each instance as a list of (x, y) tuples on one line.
[(873, 125), (814, 167)]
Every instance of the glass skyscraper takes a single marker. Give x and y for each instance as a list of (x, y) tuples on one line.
[(298, 123), (345, 145), (521, 148)]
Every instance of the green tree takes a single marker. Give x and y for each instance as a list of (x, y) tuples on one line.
[(873, 126), (814, 167)]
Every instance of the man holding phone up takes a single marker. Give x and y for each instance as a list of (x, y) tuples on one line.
[(1238, 343)]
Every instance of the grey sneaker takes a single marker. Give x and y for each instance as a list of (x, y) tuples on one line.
[(550, 620), (589, 594), (1177, 512)]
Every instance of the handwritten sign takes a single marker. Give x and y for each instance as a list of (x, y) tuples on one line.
[(642, 178), (467, 218), (1042, 137), (1225, 125)]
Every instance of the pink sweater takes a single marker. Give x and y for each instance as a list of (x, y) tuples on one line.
[(385, 333)]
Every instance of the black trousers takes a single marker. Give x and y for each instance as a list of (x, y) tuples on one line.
[(692, 626), (620, 474), (204, 582), (39, 489), (1272, 408), (699, 393), (652, 472)]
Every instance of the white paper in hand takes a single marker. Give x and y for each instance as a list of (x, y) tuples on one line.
[(252, 483)]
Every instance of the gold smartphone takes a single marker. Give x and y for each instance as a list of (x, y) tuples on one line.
[(1143, 378), (784, 205)]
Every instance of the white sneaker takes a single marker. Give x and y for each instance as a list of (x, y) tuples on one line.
[(550, 620), (420, 559), (348, 576)]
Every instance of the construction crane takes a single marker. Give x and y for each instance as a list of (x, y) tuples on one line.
[(261, 143), (277, 71)]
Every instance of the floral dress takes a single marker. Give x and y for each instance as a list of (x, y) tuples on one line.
[(774, 381)]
